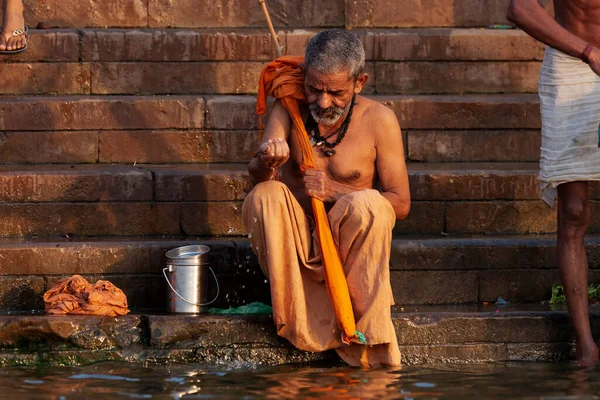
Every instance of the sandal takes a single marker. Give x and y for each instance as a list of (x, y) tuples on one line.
[(15, 33)]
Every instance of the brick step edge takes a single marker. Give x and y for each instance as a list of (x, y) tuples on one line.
[(423, 338)]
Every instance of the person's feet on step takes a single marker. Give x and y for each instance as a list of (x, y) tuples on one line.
[(13, 26), (586, 354)]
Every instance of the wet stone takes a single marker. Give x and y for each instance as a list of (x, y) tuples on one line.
[(540, 351), (69, 332), (195, 332)]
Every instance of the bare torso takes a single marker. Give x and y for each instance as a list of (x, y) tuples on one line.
[(580, 17), (353, 165)]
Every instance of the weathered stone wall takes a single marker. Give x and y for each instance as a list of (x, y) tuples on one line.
[(165, 89)]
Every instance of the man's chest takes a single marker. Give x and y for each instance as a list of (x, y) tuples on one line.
[(352, 160)]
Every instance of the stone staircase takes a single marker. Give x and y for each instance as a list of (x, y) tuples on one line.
[(126, 126)]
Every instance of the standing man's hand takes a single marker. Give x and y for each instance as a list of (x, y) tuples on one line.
[(594, 60), (273, 153)]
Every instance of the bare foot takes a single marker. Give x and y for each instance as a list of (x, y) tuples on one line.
[(586, 356), (13, 20)]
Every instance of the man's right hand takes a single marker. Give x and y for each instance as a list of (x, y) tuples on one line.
[(594, 58), (273, 153)]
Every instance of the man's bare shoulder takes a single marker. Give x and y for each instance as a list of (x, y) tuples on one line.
[(377, 115)]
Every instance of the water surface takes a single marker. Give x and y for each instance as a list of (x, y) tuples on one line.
[(116, 380)]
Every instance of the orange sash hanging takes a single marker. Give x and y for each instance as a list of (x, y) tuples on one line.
[(283, 79)]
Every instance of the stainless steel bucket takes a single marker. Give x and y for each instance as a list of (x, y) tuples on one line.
[(186, 270)]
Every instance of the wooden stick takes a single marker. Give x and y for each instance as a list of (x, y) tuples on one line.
[(278, 47)]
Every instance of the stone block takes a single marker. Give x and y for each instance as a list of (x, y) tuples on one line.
[(157, 147), (89, 13), (453, 354), (201, 183), (175, 78), (89, 113), (456, 77), (45, 78), (481, 327), (49, 147), (434, 287), (176, 45), (469, 146), (35, 333), (81, 183), (424, 13), (500, 217), (48, 46), (466, 111), (240, 13), (89, 219), (517, 286), (21, 293), (232, 112), (470, 253), (464, 181), (424, 217), (452, 45), (212, 218), (185, 331), (95, 257), (541, 352)]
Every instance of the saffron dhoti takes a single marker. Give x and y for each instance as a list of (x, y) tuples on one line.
[(570, 106), (287, 247)]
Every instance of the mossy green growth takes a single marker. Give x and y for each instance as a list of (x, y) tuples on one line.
[(256, 308), (558, 294)]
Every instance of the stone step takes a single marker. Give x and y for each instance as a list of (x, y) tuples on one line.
[(424, 270), (184, 45), (238, 146), (435, 146), (158, 78), (229, 182), (76, 113), (424, 112), (205, 199), (284, 13), (425, 335)]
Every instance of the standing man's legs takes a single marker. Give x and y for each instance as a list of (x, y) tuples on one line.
[(573, 219)]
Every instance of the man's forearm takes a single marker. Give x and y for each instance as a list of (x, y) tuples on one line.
[(400, 205), (258, 172), (535, 21)]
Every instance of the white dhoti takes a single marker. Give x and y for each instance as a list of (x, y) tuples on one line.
[(570, 105)]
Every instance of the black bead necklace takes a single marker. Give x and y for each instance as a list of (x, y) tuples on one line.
[(319, 141)]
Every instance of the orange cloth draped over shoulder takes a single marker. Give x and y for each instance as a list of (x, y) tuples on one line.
[(283, 79)]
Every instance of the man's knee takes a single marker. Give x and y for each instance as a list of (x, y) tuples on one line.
[(265, 191), (574, 215), (368, 207), (262, 195)]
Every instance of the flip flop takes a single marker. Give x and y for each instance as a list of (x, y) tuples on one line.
[(15, 33)]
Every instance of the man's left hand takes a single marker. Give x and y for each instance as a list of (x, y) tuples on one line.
[(317, 184)]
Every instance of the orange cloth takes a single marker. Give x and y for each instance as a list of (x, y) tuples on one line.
[(75, 295), (284, 80)]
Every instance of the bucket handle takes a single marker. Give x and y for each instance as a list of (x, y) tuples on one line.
[(186, 300)]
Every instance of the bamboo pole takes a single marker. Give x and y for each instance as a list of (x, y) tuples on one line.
[(278, 47)]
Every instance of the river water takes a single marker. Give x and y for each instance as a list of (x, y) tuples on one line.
[(115, 380)]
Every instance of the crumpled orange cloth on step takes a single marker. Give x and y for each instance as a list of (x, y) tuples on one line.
[(75, 295)]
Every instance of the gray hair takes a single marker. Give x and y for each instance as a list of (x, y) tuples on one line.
[(335, 50)]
